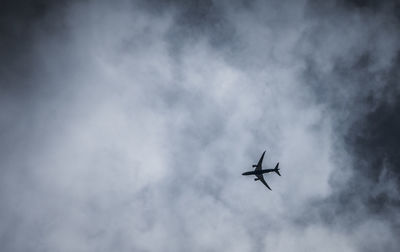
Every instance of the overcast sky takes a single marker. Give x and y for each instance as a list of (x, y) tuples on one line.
[(126, 125)]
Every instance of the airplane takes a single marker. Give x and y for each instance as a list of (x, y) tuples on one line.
[(258, 171)]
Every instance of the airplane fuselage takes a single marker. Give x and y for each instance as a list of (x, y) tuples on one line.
[(257, 172)]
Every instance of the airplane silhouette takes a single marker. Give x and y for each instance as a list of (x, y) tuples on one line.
[(258, 171)]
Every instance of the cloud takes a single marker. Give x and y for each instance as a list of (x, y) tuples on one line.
[(126, 126)]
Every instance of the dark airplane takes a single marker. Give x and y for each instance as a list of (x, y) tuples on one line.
[(258, 171)]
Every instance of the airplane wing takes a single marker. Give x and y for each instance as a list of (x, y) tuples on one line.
[(261, 178), (259, 164)]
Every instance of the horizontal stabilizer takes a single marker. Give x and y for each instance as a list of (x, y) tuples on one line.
[(277, 169)]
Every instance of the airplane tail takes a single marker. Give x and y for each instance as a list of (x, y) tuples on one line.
[(276, 169)]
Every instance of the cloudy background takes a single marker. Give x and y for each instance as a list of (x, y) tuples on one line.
[(125, 126)]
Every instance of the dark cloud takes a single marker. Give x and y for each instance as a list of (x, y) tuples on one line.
[(360, 85), (20, 22)]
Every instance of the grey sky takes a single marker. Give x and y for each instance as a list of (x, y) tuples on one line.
[(125, 126)]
